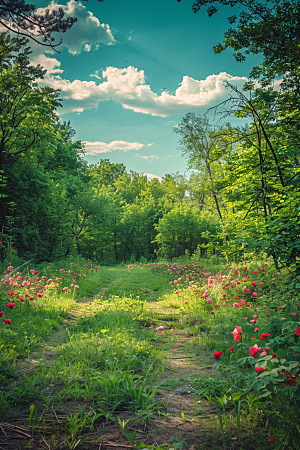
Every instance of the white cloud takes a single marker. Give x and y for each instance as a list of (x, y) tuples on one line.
[(127, 87), (149, 145), (95, 75), (87, 48), (87, 30), (150, 177), (147, 157), (93, 148)]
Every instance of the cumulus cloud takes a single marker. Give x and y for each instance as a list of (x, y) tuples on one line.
[(127, 87), (87, 31), (149, 145), (96, 147)]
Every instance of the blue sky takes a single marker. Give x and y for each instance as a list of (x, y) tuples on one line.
[(130, 70)]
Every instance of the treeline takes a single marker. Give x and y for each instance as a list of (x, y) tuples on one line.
[(242, 198)]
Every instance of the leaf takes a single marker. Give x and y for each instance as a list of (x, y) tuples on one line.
[(236, 395), (272, 421)]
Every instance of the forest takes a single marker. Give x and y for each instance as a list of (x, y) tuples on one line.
[(235, 216)]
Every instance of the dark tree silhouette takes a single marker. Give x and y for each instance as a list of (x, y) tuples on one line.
[(19, 17)]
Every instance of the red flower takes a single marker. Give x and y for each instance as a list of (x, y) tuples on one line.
[(218, 354), (8, 321), (297, 332), (11, 293), (231, 349), (237, 333), (11, 305), (259, 369), (22, 299), (1, 313), (292, 381), (271, 438), (39, 295), (266, 335), (255, 272), (274, 355), (254, 350), (255, 294)]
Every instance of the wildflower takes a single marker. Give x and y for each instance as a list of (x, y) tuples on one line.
[(65, 289), (292, 381), (256, 329), (39, 295), (11, 305), (271, 438), (255, 316), (11, 293), (231, 349), (252, 321), (8, 321), (254, 350), (294, 314), (217, 355), (255, 294), (274, 355), (209, 300), (264, 335), (1, 313), (262, 284), (269, 314), (259, 369), (246, 318), (255, 272), (253, 283), (265, 307), (212, 312), (237, 333), (242, 302), (185, 302), (245, 268), (297, 332), (235, 305), (21, 299)]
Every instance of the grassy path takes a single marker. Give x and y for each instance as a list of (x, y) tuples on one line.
[(106, 366)]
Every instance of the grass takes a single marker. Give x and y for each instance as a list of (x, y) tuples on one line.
[(76, 364)]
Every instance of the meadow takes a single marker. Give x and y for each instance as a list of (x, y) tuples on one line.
[(189, 354)]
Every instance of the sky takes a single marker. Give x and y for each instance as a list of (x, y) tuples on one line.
[(130, 70)]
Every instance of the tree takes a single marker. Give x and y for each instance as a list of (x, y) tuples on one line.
[(270, 27), (27, 111), (203, 145), (19, 17)]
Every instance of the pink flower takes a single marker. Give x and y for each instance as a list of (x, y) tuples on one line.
[(252, 321), (264, 335), (256, 329), (255, 272), (255, 294), (253, 351), (185, 302), (11, 305), (39, 295), (8, 321), (262, 269), (237, 298), (1, 313), (209, 300), (245, 268), (269, 314), (76, 287), (297, 332), (255, 316), (235, 305), (294, 314), (246, 318), (65, 289), (11, 293), (242, 302), (237, 333), (264, 306), (211, 312), (21, 299)]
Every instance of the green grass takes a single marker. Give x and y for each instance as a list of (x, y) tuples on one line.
[(94, 345)]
